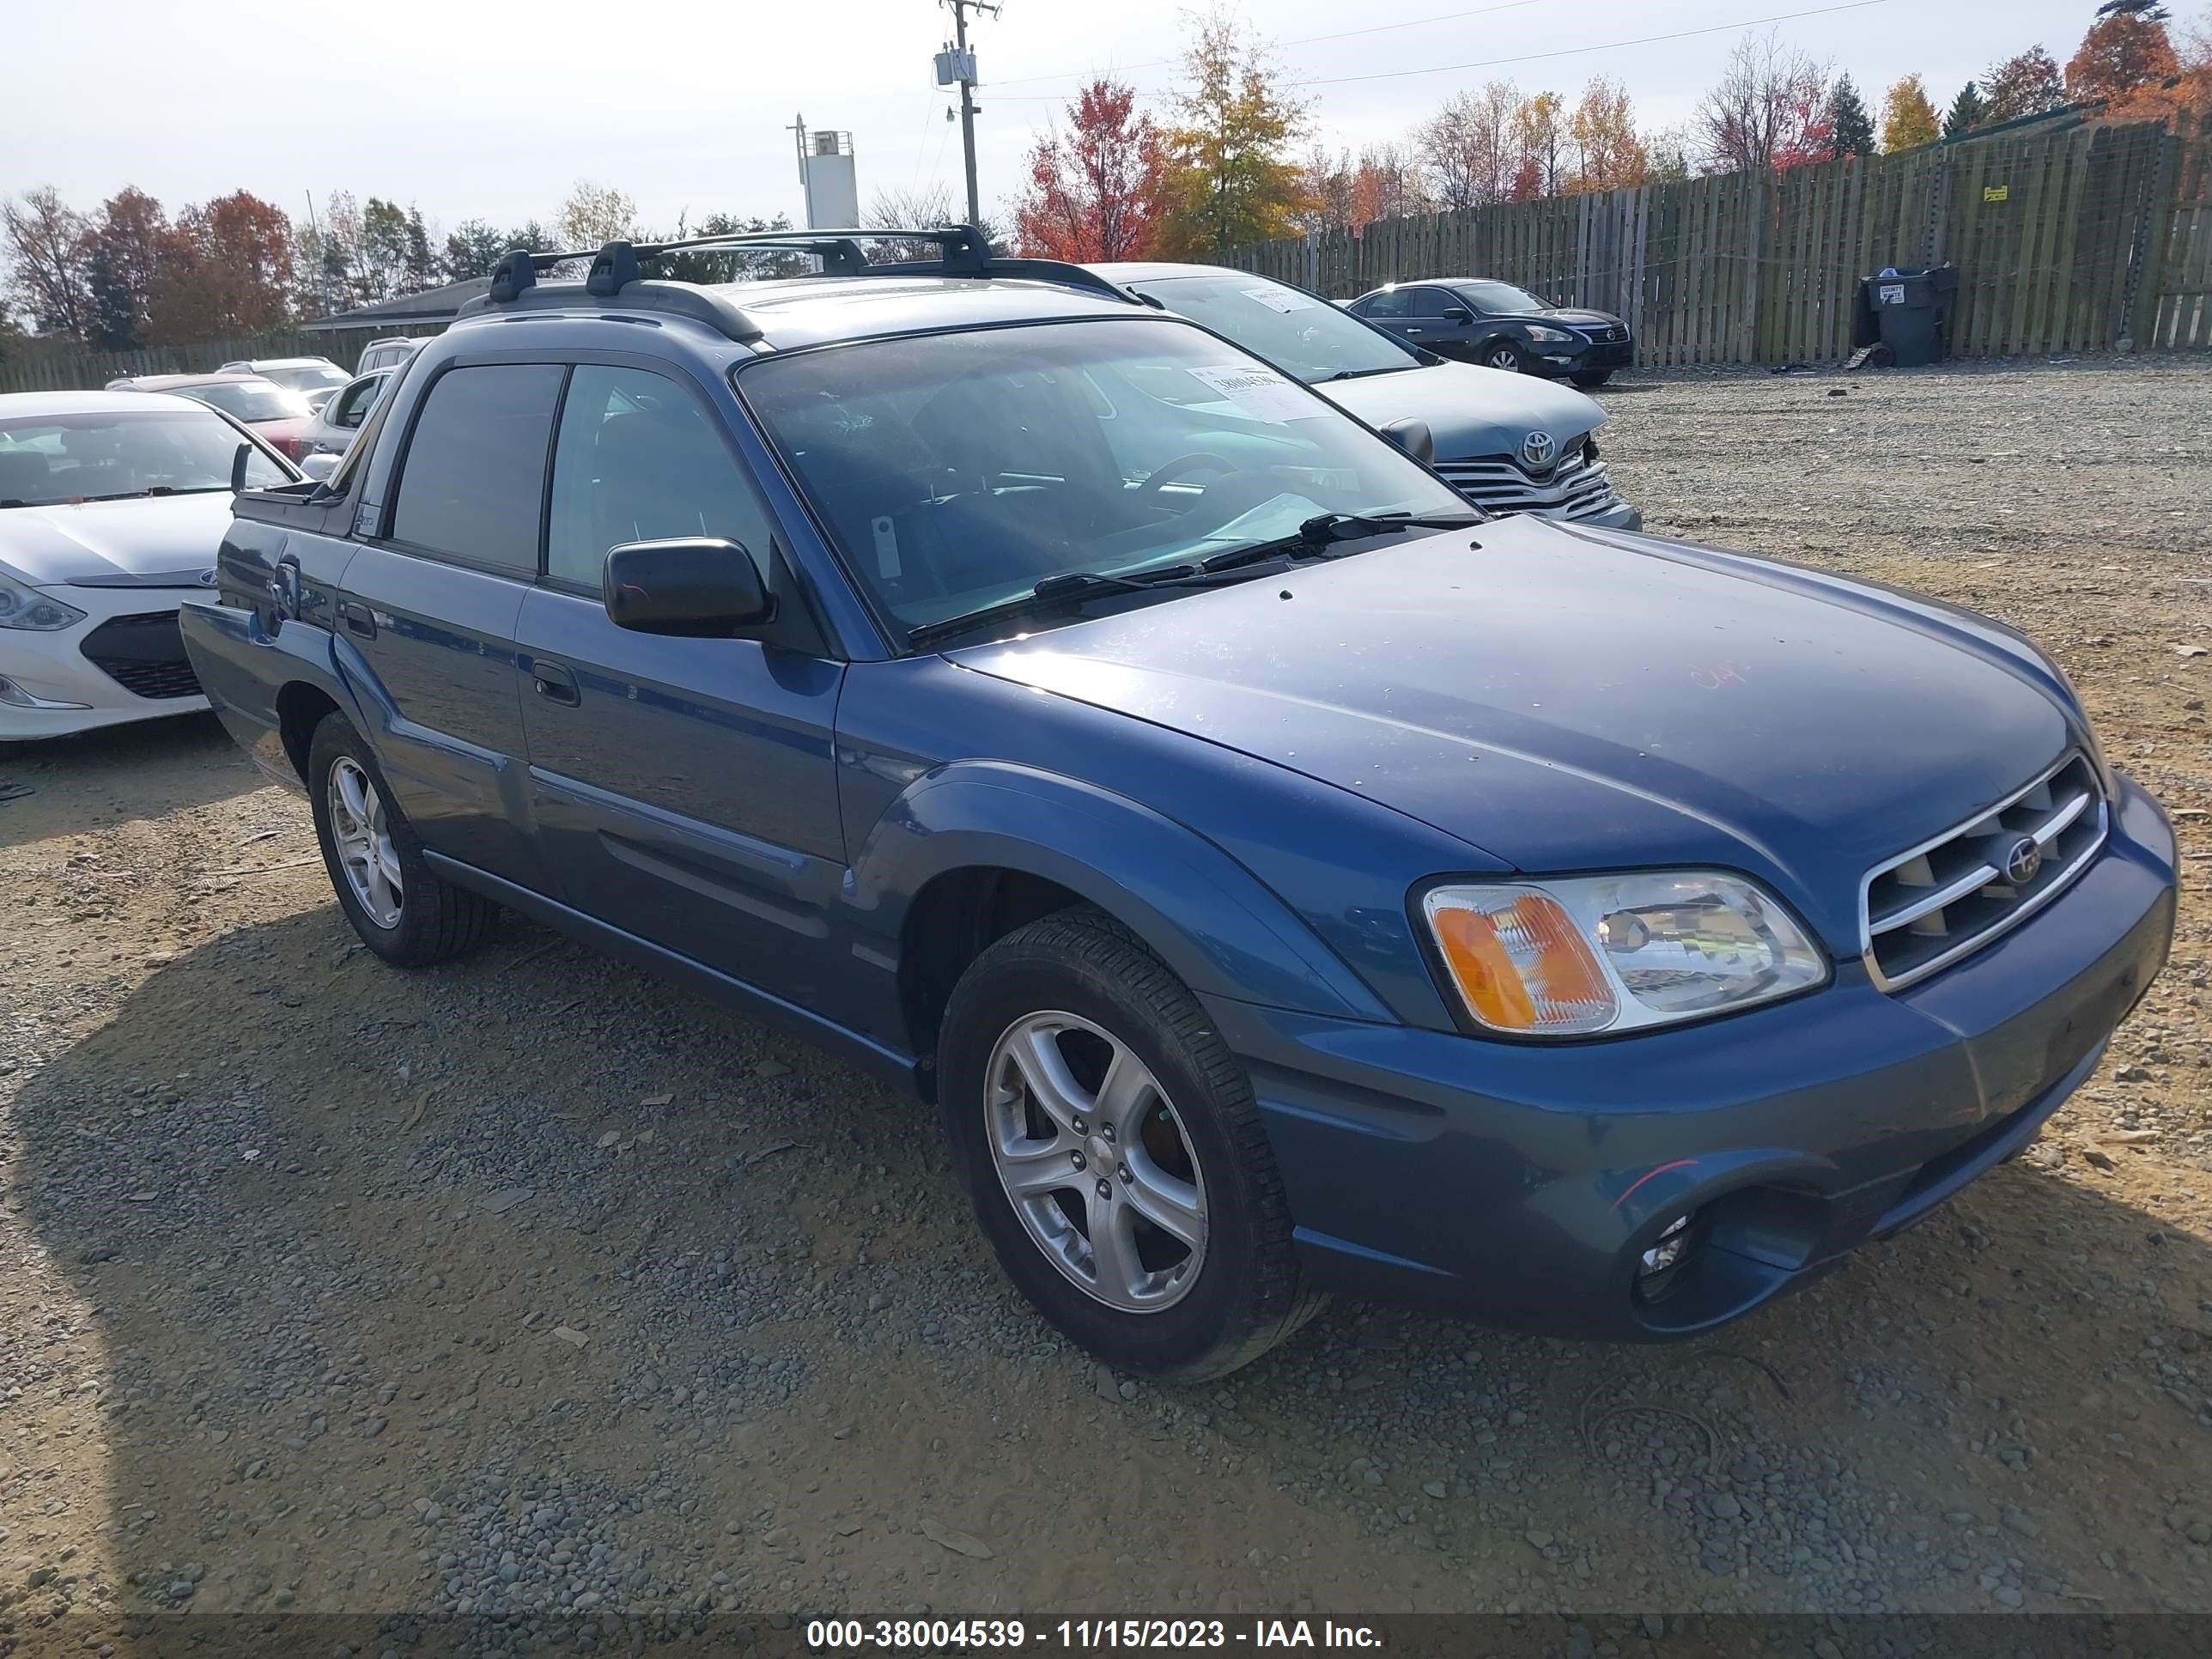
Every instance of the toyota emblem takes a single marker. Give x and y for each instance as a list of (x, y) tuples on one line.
[(1538, 448), (2022, 860)]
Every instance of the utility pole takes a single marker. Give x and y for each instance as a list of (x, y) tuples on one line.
[(964, 66), (805, 179)]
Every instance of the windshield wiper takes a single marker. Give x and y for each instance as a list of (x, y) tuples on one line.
[(1362, 373), (1313, 538), (1075, 585)]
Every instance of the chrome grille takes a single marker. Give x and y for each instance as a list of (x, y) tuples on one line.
[(1606, 333), (1578, 487), (1953, 894)]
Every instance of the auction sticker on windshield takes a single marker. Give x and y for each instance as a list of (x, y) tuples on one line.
[(1285, 300), (1263, 395)]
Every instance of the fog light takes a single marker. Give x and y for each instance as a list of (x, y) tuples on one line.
[(16, 697), (1656, 1268)]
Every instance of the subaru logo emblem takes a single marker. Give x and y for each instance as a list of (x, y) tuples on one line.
[(2022, 860), (1538, 448)]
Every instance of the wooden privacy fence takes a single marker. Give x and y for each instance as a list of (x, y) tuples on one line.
[(39, 370), (2079, 239)]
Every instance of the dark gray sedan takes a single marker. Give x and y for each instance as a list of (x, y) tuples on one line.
[(1498, 325)]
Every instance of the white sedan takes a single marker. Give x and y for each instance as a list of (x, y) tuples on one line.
[(113, 504)]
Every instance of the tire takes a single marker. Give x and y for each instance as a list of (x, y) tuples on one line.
[(1503, 354), (1591, 379), (429, 921), (1243, 1295)]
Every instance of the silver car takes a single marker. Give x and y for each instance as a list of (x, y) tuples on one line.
[(1509, 443), (342, 413), (313, 377)]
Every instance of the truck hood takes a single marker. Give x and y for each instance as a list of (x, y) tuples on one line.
[(156, 541), (1470, 411), (1567, 700)]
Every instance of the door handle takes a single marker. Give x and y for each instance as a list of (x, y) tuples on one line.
[(358, 619), (554, 683), (284, 589)]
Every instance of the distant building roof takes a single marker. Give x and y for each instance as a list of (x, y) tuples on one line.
[(432, 304)]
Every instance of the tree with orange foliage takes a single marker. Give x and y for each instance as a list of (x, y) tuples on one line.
[(227, 272), (1095, 193), (2129, 62), (1387, 185), (1608, 155)]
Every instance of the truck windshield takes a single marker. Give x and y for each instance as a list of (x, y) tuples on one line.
[(1307, 338), (45, 459), (957, 471)]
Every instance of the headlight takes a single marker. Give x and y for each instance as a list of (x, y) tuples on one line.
[(24, 608), (1549, 335), (1615, 953)]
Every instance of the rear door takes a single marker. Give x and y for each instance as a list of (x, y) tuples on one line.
[(429, 606), (1428, 322), (684, 789)]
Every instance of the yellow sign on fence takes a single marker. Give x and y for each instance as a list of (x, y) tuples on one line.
[(1997, 192)]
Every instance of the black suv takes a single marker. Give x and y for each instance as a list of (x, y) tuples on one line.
[(1502, 326)]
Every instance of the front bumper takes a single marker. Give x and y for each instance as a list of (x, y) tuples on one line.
[(69, 692), (1589, 356), (1520, 1183)]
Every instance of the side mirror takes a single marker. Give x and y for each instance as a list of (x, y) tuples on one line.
[(1414, 437), (319, 465), (238, 465), (1458, 315), (695, 585)]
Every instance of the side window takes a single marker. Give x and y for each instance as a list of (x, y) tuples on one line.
[(353, 408), (473, 478), (1429, 302), (641, 458), (1388, 304)]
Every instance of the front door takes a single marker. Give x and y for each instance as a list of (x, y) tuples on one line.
[(430, 609), (684, 789)]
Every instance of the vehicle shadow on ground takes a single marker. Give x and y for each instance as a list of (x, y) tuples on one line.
[(158, 765), (351, 1274)]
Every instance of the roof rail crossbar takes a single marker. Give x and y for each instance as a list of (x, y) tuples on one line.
[(611, 267), (966, 253)]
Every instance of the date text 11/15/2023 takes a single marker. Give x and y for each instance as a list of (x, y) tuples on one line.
[(945, 1635)]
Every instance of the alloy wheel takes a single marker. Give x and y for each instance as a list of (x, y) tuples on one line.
[(1096, 1162), (364, 844)]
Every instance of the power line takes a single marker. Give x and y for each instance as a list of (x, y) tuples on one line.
[(1524, 57), (1572, 52), (1302, 41)]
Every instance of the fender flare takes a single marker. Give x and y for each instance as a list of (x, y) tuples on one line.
[(1222, 930)]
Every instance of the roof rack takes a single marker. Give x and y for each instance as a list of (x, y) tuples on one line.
[(963, 252)]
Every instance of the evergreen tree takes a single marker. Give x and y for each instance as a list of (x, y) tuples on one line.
[(1966, 112), (1851, 122)]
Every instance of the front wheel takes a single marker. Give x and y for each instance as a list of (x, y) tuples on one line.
[(1590, 380), (1114, 1156), (402, 912), (1507, 355)]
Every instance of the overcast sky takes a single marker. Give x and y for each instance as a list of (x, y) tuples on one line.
[(492, 111)]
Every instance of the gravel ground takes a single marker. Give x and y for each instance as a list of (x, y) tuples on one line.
[(533, 1289)]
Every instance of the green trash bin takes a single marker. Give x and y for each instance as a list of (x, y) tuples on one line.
[(1909, 312)]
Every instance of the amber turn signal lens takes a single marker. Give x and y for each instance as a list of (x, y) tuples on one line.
[(1520, 961)]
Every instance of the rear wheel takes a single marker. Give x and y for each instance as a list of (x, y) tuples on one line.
[(1114, 1153), (402, 912), (1505, 355)]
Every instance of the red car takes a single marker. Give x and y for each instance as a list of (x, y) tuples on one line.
[(280, 416)]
